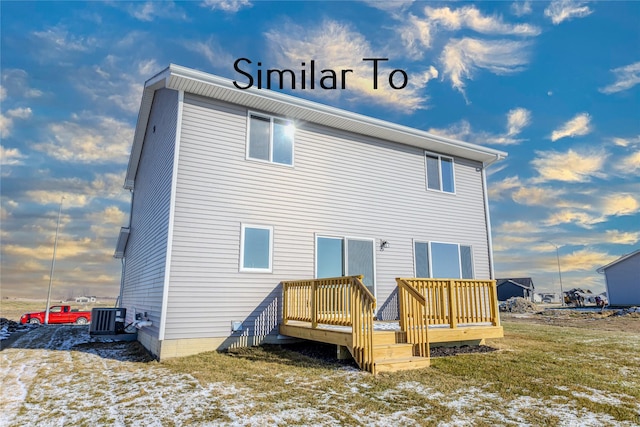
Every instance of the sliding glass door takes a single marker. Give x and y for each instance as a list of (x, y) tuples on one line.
[(344, 256)]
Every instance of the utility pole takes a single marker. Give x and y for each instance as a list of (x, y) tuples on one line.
[(53, 264), (559, 271)]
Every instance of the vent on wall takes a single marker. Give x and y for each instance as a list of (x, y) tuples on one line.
[(107, 321)]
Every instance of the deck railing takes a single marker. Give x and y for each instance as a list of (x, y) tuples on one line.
[(455, 301), (412, 306), (342, 301)]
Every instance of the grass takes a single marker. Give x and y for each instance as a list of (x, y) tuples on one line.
[(541, 375), (537, 370)]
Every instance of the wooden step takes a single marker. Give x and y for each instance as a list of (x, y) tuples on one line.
[(401, 364), (392, 351), (388, 337)]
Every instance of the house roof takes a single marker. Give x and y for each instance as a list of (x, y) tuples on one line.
[(200, 83), (619, 260), (524, 282)]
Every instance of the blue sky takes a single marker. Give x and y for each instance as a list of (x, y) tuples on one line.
[(555, 84)]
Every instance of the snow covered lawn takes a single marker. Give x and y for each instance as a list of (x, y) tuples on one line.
[(55, 376)]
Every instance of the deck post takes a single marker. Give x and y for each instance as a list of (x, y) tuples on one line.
[(314, 308), (285, 305), (453, 309), (493, 295)]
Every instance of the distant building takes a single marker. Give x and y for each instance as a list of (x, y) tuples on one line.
[(508, 288), (546, 297), (85, 300), (623, 280)]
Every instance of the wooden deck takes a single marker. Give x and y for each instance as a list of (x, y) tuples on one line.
[(433, 312)]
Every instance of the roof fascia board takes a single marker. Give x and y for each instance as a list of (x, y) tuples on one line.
[(156, 82), (622, 258)]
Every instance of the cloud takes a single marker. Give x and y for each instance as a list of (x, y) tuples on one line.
[(336, 44), (20, 113), (600, 210), (118, 80), (569, 216), (58, 40), (389, 5), (3, 93), (521, 8), (571, 166), (626, 78), (562, 10), (77, 192), (230, 6), (577, 126), (93, 140), (536, 196), (621, 238), (471, 18), (6, 122), (415, 35), (630, 164), (585, 260), (517, 227), (107, 222), (626, 142), (498, 189), (11, 156), (517, 119), (15, 83), (619, 204), (150, 10), (462, 57), (459, 130), (213, 51)]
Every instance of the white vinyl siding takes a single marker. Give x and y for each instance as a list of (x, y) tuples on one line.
[(256, 243), (342, 185), (443, 260), (270, 139), (146, 251), (440, 173)]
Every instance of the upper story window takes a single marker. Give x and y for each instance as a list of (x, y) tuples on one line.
[(270, 139), (440, 176)]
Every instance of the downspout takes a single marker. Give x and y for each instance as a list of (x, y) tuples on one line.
[(487, 217), (122, 275)]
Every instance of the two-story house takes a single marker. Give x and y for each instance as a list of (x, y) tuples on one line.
[(234, 191)]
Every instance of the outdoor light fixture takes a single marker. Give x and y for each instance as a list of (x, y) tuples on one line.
[(383, 244)]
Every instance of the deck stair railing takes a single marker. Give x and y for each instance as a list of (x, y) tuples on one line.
[(340, 301), (454, 301), (413, 313)]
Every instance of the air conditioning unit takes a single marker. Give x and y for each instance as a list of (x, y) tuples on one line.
[(107, 321)]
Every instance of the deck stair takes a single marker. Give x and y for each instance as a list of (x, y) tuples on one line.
[(392, 353), (340, 311)]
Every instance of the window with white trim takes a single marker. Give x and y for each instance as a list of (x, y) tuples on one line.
[(270, 139), (346, 256), (440, 175), (256, 243), (443, 260)]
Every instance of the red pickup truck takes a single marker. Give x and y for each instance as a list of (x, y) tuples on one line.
[(58, 314)]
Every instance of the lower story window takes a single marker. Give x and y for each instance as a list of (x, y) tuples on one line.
[(443, 260), (256, 244), (345, 256)]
